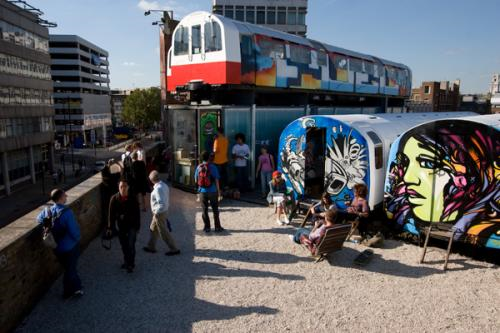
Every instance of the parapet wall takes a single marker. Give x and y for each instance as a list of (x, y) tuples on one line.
[(27, 267)]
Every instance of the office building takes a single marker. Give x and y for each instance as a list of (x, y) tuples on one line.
[(26, 107), (495, 103), (475, 103), (433, 96), (80, 71), (285, 15)]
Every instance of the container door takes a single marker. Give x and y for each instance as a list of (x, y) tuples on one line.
[(314, 156)]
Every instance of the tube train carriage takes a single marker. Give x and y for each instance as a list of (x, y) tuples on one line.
[(332, 153), (213, 50), (448, 171)]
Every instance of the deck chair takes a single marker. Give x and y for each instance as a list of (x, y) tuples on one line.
[(439, 231), (332, 241)]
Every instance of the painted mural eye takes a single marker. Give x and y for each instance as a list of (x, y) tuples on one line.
[(426, 163)]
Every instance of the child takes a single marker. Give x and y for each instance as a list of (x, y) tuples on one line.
[(278, 196), (266, 168)]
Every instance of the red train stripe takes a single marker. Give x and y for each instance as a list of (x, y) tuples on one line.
[(224, 72)]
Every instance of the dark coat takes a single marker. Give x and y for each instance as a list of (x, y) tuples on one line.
[(125, 213)]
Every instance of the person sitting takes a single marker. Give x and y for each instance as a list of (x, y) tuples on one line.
[(311, 238), (318, 210), (278, 196), (358, 210)]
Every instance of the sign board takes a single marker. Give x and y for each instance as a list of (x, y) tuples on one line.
[(92, 137)]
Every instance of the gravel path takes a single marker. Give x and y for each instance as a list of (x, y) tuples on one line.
[(254, 279)]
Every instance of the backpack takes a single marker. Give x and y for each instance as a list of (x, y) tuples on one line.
[(204, 175), (51, 235)]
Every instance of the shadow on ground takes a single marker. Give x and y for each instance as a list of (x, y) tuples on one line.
[(159, 296)]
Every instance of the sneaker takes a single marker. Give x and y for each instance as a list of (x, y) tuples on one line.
[(206, 230), (130, 269), (291, 238), (123, 266), (287, 220), (173, 253), (147, 249), (219, 229), (278, 221)]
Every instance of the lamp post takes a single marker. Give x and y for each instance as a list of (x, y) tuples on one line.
[(70, 136)]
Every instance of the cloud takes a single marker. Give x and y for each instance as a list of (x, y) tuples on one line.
[(129, 64), (180, 8)]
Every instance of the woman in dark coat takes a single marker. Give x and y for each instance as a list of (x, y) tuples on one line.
[(140, 181)]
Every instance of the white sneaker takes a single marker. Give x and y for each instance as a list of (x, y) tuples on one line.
[(291, 238), (287, 221), (278, 221)]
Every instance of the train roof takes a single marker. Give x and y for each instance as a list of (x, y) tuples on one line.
[(245, 27), (388, 126), (492, 120)]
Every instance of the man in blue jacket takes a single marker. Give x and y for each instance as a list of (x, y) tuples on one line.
[(66, 232)]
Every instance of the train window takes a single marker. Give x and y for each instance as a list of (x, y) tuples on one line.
[(355, 65), (181, 41), (321, 58), (379, 157), (300, 54), (213, 38), (369, 67), (271, 48), (340, 61), (374, 137), (196, 39)]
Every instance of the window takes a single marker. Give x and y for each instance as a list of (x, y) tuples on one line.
[(213, 38), (196, 39), (427, 89), (369, 67), (271, 48), (271, 15), (229, 12), (340, 61), (321, 58), (356, 65), (218, 10), (301, 17), (240, 13), (250, 14), (300, 54), (261, 15), (181, 41), (281, 15), (292, 16), (379, 158)]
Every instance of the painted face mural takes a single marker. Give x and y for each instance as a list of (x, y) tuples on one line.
[(346, 160), (447, 171)]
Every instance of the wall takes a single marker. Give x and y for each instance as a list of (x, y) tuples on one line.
[(27, 267)]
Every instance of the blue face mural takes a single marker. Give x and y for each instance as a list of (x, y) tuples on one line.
[(346, 157)]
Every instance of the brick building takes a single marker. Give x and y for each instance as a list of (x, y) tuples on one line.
[(433, 96)]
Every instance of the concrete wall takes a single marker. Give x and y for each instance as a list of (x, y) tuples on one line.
[(27, 267)]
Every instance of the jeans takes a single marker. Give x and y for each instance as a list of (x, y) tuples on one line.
[(299, 233), (211, 199), (127, 241), (158, 229), (222, 168), (265, 178), (242, 178), (69, 261)]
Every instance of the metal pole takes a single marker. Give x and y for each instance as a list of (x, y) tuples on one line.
[(71, 139)]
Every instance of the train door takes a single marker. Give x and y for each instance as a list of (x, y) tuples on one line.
[(314, 155)]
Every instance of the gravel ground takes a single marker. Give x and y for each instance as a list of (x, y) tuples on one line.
[(254, 279)]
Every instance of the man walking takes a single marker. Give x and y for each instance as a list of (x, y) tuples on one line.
[(159, 208), (207, 178), (124, 211), (220, 156), (66, 232)]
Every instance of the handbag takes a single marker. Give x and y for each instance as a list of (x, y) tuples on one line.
[(48, 239)]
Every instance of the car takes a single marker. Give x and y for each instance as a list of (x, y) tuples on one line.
[(99, 165)]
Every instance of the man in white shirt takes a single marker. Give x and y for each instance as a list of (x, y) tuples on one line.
[(159, 208), (241, 154)]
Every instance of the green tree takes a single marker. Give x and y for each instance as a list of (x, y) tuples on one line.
[(142, 107)]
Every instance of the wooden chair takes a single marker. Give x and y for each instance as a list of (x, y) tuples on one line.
[(303, 209), (440, 231), (332, 241)]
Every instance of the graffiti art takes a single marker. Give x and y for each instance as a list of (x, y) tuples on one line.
[(345, 163), (447, 171)]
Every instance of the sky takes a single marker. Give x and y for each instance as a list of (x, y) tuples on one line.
[(438, 39)]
